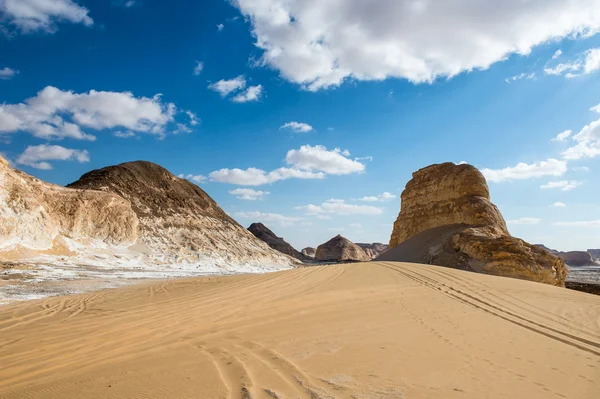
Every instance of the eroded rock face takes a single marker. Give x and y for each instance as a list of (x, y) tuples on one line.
[(178, 221), (309, 251), (447, 219), (39, 217), (577, 258), (340, 249), (264, 234), (373, 250), (595, 253)]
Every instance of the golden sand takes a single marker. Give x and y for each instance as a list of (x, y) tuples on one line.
[(370, 330)]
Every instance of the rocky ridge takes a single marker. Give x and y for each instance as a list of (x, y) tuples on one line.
[(447, 219), (373, 250), (340, 249), (264, 234), (309, 252)]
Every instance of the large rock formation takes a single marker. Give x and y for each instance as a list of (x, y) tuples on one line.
[(374, 250), (447, 219), (309, 252), (340, 249), (263, 233), (37, 217), (133, 214), (595, 253), (577, 258)]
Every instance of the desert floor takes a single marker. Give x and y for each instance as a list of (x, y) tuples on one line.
[(370, 330)]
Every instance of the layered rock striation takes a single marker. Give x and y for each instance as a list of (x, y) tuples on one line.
[(309, 252), (447, 219), (264, 234), (340, 249), (373, 250)]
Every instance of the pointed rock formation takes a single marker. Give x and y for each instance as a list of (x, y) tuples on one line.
[(309, 252), (374, 250), (263, 233), (340, 249), (447, 219)]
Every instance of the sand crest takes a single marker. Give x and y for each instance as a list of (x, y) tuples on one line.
[(370, 330)]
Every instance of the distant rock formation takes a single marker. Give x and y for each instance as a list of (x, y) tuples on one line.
[(131, 214), (573, 258), (340, 249), (373, 250), (263, 233), (309, 252), (447, 219), (595, 253)]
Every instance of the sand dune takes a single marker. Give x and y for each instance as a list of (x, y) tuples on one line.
[(371, 330)]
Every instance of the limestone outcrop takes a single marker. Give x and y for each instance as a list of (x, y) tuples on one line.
[(373, 250), (577, 258), (309, 251), (264, 234), (447, 219), (340, 249), (595, 253)]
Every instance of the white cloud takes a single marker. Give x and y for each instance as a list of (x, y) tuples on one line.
[(583, 223), (563, 185), (559, 205), (39, 155), (44, 115), (252, 93), (257, 177), (249, 194), (557, 54), (195, 178), (562, 136), (596, 108), (586, 63), (527, 76), (339, 207), (334, 162), (363, 158), (269, 218), (224, 87), (33, 15), (7, 73), (319, 44), (124, 135), (298, 127), (524, 221), (379, 198), (581, 169), (194, 120), (588, 141), (551, 167), (220, 27), (198, 68)]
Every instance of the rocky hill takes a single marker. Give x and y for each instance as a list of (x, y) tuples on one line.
[(373, 250), (573, 258), (136, 213), (447, 219), (595, 253), (263, 233), (340, 249), (309, 251)]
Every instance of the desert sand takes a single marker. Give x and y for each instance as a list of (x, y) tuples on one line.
[(369, 330)]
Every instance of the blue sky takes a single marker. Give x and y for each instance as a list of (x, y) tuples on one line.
[(367, 96)]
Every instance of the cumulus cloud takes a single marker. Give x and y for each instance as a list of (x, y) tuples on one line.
[(297, 127), (339, 207), (7, 73), (198, 68), (269, 218), (559, 205), (379, 198), (563, 185), (38, 156), (524, 221), (588, 141), (306, 163), (551, 167), (557, 54), (57, 114), (562, 136), (334, 162), (225, 87), (249, 194), (586, 63), (583, 223), (195, 178), (42, 15), (257, 177), (527, 76), (252, 93), (319, 44)]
